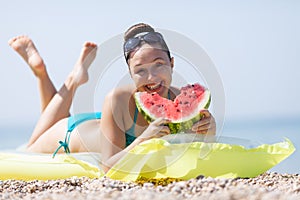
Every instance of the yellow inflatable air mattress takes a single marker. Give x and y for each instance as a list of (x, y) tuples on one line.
[(21, 166), (153, 159), (159, 159)]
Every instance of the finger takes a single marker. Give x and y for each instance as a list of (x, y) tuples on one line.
[(162, 133), (205, 113), (201, 132), (160, 121), (202, 122), (161, 130), (202, 128), (165, 129)]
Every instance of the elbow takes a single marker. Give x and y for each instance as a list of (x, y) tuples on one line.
[(106, 164), (105, 168)]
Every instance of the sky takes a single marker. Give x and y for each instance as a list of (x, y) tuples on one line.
[(254, 46)]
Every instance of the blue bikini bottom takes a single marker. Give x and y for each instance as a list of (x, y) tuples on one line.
[(77, 119)]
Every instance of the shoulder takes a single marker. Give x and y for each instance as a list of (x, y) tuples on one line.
[(120, 94)]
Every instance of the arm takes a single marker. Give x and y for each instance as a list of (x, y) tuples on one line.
[(112, 136), (113, 131)]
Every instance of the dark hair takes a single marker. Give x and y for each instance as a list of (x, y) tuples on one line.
[(140, 28), (136, 29)]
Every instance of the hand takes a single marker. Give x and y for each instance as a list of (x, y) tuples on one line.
[(156, 129), (206, 125)]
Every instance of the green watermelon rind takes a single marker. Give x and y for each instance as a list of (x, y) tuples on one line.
[(181, 126)]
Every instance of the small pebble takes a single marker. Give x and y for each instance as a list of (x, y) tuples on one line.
[(266, 186)]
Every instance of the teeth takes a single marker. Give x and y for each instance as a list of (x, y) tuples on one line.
[(153, 87)]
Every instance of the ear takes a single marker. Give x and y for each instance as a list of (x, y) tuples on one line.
[(172, 63)]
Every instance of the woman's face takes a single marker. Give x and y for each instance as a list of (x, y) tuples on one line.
[(151, 69)]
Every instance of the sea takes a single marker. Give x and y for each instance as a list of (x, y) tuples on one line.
[(267, 131)]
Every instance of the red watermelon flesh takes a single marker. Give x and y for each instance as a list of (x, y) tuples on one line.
[(185, 107)]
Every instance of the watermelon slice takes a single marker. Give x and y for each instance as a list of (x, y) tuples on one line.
[(183, 112)]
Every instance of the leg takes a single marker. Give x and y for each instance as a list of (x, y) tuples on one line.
[(84, 138), (24, 46), (59, 106)]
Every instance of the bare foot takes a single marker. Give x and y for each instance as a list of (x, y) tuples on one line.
[(24, 46), (87, 56)]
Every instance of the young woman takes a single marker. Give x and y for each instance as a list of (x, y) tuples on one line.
[(122, 127), (150, 66)]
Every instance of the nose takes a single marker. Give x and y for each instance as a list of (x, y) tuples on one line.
[(152, 74)]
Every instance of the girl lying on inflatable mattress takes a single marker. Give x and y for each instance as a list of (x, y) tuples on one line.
[(122, 127)]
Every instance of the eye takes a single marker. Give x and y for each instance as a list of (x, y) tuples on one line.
[(159, 64), (140, 71)]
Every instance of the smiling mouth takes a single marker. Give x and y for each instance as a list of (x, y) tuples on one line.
[(154, 87)]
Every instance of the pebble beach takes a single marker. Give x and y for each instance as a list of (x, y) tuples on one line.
[(269, 185)]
